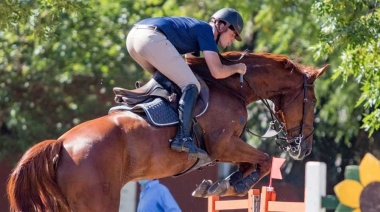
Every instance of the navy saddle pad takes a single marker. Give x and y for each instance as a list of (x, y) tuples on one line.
[(158, 112)]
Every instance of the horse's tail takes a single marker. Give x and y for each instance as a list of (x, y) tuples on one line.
[(32, 185)]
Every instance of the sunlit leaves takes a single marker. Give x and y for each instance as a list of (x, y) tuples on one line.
[(286, 27), (352, 28), (58, 65), (37, 17)]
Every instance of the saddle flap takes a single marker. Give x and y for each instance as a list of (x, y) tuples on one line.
[(158, 111), (202, 102)]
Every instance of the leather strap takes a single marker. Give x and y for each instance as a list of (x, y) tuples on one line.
[(150, 27)]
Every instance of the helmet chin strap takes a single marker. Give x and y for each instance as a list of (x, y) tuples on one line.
[(217, 38), (216, 25)]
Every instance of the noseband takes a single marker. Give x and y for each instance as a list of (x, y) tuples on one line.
[(294, 143)]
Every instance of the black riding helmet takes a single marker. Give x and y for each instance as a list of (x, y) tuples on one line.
[(232, 18)]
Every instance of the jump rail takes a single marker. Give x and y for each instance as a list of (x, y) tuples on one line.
[(265, 201), (251, 204)]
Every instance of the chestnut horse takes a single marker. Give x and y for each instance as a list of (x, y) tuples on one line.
[(85, 169)]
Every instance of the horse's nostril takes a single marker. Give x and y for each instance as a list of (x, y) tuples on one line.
[(308, 151)]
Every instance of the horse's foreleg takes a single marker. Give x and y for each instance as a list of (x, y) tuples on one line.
[(235, 184), (253, 166), (240, 185)]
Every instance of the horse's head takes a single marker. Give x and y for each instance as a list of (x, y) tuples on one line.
[(290, 86), (295, 110)]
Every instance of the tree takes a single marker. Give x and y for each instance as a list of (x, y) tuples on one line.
[(60, 60), (352, 29)]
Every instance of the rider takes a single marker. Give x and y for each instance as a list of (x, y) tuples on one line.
[(159, 43)]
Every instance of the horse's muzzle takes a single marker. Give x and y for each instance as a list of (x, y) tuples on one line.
[(299, 147)]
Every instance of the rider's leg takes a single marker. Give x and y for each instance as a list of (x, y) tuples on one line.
[(153, 50), (183, 142), (134, 45)]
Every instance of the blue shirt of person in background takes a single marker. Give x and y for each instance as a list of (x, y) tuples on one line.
[(155, 197)]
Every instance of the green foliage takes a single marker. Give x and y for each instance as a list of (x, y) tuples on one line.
[(37, 17), (287, 27), (59, 61), (352, 29), (53, 81)]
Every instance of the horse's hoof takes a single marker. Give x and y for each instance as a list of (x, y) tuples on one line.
[(218, 188), (201, 190)]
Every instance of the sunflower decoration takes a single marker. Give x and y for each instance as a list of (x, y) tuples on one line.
[(360, 191)]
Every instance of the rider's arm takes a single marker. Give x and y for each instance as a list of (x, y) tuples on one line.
[(220, 71)]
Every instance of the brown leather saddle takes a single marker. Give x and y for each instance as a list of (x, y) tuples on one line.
[(158, 87)]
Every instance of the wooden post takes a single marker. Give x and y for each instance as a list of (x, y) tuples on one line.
[(315, 186), (269, 203), (215, 204), (315, 190), (211, 203), (266, 196)]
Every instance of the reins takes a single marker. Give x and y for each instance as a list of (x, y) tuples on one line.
[(269, 132), (241, 97), (293, 143), (272, 131)]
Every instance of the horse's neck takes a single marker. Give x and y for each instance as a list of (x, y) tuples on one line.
[(264, 79), (267, 83)]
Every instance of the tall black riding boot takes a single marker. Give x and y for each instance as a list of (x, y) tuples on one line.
[(183, 142)]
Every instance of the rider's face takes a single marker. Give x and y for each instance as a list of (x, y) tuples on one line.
[(226, 38)]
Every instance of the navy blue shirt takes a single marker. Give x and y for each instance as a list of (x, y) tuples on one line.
[(186, 34)]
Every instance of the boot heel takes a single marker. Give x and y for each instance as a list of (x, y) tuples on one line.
[(176, 146), (192, 156)]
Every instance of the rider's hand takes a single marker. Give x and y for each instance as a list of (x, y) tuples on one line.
[(242, 68)]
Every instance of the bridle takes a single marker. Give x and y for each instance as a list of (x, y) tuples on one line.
[(294, 143)]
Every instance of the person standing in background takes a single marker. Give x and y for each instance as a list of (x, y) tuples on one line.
[(155, 197)]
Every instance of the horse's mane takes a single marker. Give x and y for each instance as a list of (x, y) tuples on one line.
[(232, 56), (282, 59)]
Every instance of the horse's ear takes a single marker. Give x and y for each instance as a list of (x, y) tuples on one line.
[(322, 70)]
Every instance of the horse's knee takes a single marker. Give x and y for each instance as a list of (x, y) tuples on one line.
[(265, 164)]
